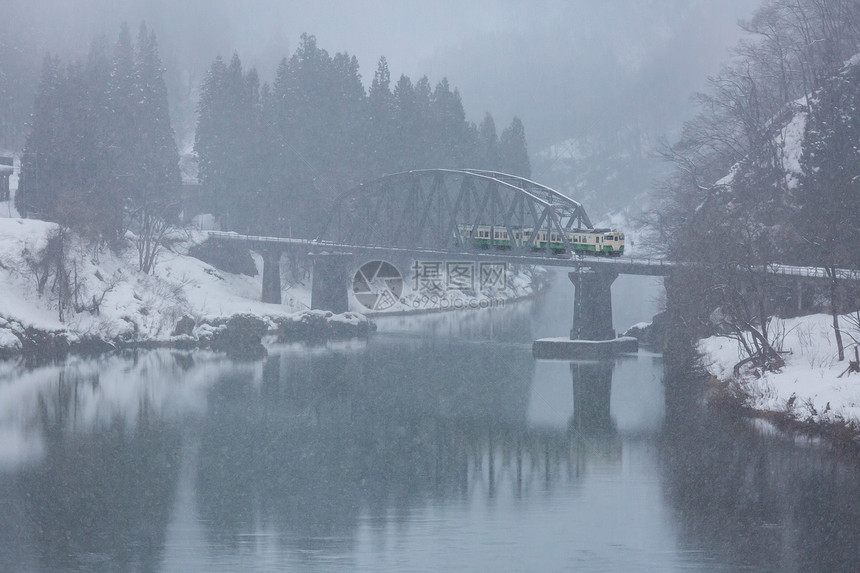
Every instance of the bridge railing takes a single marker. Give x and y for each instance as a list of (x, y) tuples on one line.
[(813, 272), (574, 260)]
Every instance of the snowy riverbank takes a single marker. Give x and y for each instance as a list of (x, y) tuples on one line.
[(808, 391), (109, 304), (89, 298)]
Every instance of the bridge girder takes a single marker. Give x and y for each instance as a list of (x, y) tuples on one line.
[(426, 208)]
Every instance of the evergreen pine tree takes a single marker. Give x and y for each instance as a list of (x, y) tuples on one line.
[(405, 132), (121, 182), (241, 98), (381, 127), (40, 169), (154, 206), (350, 168), (487, 153), (453, 143), (95, 152), (513, 152), (211, 140), (306, 122), (76, 154), (425, 124), (101, 155)]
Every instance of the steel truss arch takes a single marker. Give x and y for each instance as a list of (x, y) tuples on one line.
[(431, 208)]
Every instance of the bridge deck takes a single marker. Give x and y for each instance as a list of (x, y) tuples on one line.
[(622, 265)]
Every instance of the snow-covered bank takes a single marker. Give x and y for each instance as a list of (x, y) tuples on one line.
[(91, 298), (808, 390), (60, 293)]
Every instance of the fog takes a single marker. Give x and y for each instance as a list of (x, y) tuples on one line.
[(565, 68)]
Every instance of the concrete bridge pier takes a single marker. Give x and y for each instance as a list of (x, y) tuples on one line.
[(592, 310), (330, 283), (271, 275)]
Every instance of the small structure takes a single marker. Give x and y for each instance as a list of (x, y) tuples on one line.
[(592, 336), (567, 349), (7, 167)]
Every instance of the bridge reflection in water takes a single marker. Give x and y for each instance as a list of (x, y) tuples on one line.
[(312, 458), (326, 442), (592, 389), (305, 445)]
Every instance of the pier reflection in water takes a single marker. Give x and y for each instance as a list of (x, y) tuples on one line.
[(410, 451)]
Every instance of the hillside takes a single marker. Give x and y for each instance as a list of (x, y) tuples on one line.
[(808, 214)]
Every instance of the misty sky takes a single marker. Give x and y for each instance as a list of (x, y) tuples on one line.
[(563, 67)]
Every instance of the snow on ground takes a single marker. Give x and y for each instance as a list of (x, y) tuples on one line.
[(147, 307), (18, 298), (115, 301), (808, 387), (131, 303)]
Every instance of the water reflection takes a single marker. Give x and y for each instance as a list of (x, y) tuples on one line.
[(404, 452), (100, 497), (330, 438), (592, 390), (327, 445), (753, 498), (89, 480)]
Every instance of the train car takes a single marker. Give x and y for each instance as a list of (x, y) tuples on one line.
[(605, 242), (486, 236)]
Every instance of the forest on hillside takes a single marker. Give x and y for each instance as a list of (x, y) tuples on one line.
[(768, 172), (272, 158), (101, 158)]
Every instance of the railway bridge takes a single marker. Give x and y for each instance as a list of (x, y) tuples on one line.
[(426, 215)]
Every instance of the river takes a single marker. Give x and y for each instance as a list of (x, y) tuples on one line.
[(439, 444)]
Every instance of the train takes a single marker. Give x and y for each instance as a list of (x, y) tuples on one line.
[(605, 242)]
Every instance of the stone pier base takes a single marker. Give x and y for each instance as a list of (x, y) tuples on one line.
[(566, 349)]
